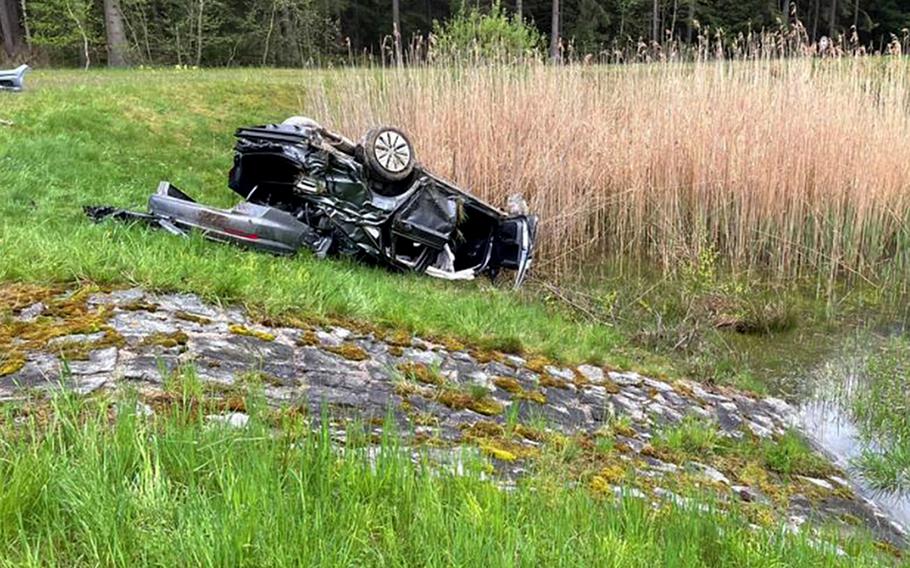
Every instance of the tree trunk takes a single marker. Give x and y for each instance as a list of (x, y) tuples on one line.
[(832, 20), (690, 22), (856, 15), (116, 37), (518, 8), (655, 21), (786, 17), (199, 18), (11, 28), (396, 30), (673, 20), (816, 4), (554, 32)]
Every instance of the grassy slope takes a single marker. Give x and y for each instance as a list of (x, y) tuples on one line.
[(109, 137), (172, 491)]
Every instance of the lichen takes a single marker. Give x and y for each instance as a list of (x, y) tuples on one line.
[(238, 329), (350, 351)]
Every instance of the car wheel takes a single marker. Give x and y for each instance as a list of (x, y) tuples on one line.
[(388, 153)]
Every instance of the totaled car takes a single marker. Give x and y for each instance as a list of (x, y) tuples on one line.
[(305, 187)]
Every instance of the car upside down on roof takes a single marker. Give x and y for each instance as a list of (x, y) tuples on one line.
[(305, 187)]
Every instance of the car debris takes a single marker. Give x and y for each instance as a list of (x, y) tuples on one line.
[(12, 79), (307, 187)]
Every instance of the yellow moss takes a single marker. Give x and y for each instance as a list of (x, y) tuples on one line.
[(484, 429), (505, 450), (11, 364), (600, 485), (508, 384), (482, 356), (529, 433), (549, 381), (622, 429), (18, 296), (511, 385), (399, 337), (460, 400), (396, 351), (350, 351), (195, 318), (168, 340), (238, 329), (308, 339), (537, 364), (498, 453), (139, 305), (611, 387), (420, 373), (451, 344), (79, 350), (534, 396)]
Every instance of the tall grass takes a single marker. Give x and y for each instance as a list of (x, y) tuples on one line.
[(86, 483), (790, 167)]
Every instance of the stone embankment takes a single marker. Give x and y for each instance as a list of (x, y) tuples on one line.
[(442, 393)]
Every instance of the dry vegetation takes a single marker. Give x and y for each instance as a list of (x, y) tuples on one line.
[(793, 167)]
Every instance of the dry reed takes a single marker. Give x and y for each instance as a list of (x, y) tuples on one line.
[(791, 167)]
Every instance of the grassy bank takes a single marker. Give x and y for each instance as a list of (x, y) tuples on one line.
[(109, 137), (91, 482)]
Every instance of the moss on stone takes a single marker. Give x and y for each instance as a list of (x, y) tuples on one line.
[(508, 384), (191, 317), (166, 340), (350, 351), (420, 373), (549, 381), (238, 329), (308, 339), (459, 400)]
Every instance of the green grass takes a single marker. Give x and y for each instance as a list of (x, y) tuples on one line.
[(881, 408), (108, 137), (82, 489)]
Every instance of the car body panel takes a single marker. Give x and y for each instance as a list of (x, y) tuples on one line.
[(305, 187)]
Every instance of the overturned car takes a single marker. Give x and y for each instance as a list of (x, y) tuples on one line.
[(306, 187)]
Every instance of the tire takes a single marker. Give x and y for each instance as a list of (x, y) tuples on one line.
[(387, 153)]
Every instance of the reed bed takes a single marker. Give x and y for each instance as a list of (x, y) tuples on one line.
[(790, 167)]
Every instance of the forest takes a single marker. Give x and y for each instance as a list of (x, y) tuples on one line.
[(314, 33)]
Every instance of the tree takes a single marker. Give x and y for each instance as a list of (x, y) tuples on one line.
[(396, 30), (11, 28), (518, 8), (116, 37), (554, 31), (655, 21)]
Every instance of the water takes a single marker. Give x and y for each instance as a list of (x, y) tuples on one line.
[(826, 424)]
